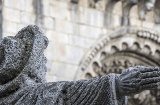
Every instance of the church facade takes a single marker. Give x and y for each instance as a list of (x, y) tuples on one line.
[(91, 38)]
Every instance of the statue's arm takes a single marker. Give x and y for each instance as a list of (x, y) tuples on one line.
[(96, 91), (112, 89), (137, 79)]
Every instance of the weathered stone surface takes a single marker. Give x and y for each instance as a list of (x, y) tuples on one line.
[(51, 78), (6, 34), (65, 26), (149, 16), (101, 5), (49, 23), (70, 12), (16, 4), (56, 37), (27, 18), (10, 27), (90, 32), (74, 12), (11, 15), (64, 53), (23, 75), (23, 72), (134, 11), (46, 8), (116, 22), (80, 41), (69, 54), (27, 46), (135, 22), (149, 25), (91, 17), (20, 26), (117, 8), (110, 55), (58, 3), (51, 53), (29, 6), (83, 3), (65, 71), (63, 13)]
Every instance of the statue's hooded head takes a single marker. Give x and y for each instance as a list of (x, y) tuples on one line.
[(22, 59)]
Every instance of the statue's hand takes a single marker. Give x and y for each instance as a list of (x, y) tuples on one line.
[(137, 79)]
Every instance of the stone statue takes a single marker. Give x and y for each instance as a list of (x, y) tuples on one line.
[(22, 77)]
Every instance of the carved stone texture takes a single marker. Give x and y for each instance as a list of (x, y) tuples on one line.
[(92, 3), (157, 11), (143, 7), (126, 7), (110, 5), (22, 72), (1, 19), (125, 48), (108, 12)]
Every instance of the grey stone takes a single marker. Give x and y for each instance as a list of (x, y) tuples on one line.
[(23, 70)]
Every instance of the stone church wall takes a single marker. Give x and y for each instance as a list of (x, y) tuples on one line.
[(71, 27)]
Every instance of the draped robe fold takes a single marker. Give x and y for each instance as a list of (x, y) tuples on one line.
[(97, 91), (22, 77)]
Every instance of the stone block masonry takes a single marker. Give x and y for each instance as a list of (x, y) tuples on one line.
[(72, 27), (68, 35)]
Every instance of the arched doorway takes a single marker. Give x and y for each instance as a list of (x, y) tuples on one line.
[(124, 48)]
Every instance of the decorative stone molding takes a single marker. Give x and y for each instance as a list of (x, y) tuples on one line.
[(110, 4), (125, 48), (127, 5), (143, 7)]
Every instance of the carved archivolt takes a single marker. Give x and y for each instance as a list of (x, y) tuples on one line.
[(144, 6), (125, 48)]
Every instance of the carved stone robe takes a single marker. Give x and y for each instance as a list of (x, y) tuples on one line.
[(22, 77)]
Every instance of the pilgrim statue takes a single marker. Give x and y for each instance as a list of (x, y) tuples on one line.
[(23, 70)]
